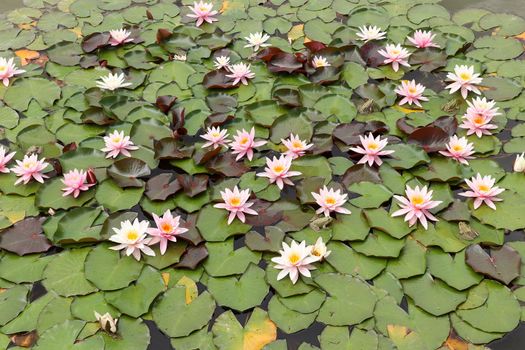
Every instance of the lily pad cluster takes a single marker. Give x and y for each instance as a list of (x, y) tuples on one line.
[(384, 285)]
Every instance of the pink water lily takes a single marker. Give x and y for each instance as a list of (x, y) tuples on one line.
[(8, 69), (240, 72), (464, 79), (416, 206), (236, 202), (244, 143), (330, 201), (481, 106), (117, 143), (296, 147), (215, 137), (119, 36), (482, 189), (372, 149), (133, 238), (422, 39), (167, 230), (4, 159), (295, 260), (75, 182), (30, 168), (478, 124), (278, 170), (202, 12), (411, 92), (395, 55), (459, 149)]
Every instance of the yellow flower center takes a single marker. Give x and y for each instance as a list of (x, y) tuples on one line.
[(483, 188), (457, 148), (278, 168), (412, 90), (315, 252), (395, 52), (116, 139), (203, 9), (2, 68), (166, 227), (29, 165), (373, 146), (215, 134), (243, 141), (330, 200), (132, 235), (235, 201), (479, 119), (294, 258), (297, 144), (465, 76), (417, 199)]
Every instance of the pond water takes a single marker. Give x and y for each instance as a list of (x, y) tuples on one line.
[(513, 341)]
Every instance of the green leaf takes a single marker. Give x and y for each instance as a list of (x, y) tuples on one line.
[(212, 224), (223, 260), (12, 302), (452, 270), (114, 198), (289, 321), (43, 91)]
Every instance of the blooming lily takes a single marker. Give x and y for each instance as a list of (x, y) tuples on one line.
[(244, 143), (411, 92), (119, 36), (215, 137), (117, 143), (295, 259), (30, 168), (464, 79), (320, 61), (370, 33), (478, 124), (296, 147), (257, 40), (133, 238), (278, 171), (168, 228), (112, 82), (236, 202), (222, 62), (330, 200), (482, 106), (8, 70), (202, 12), (240, 72), (396, 55), (4, 159), (422, 39), (75, 182), (459, 149), (372, 149), (483, 190), (416, 206), (319, 249)]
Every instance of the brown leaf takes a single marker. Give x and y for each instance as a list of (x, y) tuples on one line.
[(25, 340), (160, 187), (170, 148), (218, 119), (192, 185), (266, 215), (25, 237), (431, 138), (226, 165), (164, 103), (192, 257), (95, 41), (192, 235), (217, 79), (503, 264)]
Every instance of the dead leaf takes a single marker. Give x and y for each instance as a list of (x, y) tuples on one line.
[(296, 32), (166, 278), (408, 110), (192, 292), (26, 56), (25, 340)]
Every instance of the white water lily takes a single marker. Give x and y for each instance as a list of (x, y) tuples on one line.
[(319, 250), (107, 322), (295, 259), (133, 238), (222, 62), (519, 163), (113, 82), (320, 61), (370, 33), (257, 40)]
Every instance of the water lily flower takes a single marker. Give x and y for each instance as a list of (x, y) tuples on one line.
[(480, 105), (296, 147), (464, 79), (202, 12), (295, 259), (372, 149), (412, 92), (416, 206), (119, 36), (483, 190), (4, 159), (478, 124), (30, 168), (396, 55), (222, 62), (215, 137), (519, 163), (370, 33), (459, 149), (319, 249), (320, 61), (244, 143), (240, 72), (75, 182), (180, 57), (117, 143), (236, 202), (107, 322), (278, 171), (257, 40), (133, 238), (330, 200), (112, 82), (168, 228), (422, 39), (8, 69)]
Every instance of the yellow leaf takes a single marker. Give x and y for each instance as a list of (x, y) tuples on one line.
[(225, 6), (259, 331), (455, 344), (166, 278), (307, 39), (26, 55), (191, 288), (520, 36), (408, 110), (77, 31), (296, 32), (14, 216), (27, 26)]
